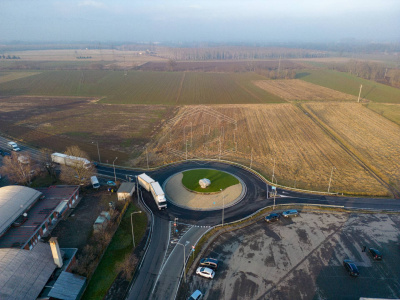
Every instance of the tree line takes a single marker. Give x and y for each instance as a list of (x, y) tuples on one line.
[(9, 57), (370, 70)]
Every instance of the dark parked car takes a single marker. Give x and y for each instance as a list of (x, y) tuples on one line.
[(211, 263), (376, 254), (272, 217), (351, 267)]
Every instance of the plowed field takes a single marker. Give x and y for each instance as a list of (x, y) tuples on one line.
[(296, 89), (374, 139), (304, 155)]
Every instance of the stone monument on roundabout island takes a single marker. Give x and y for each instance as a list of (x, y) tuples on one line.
[(204, 183)]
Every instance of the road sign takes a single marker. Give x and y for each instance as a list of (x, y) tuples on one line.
[(273, 187)]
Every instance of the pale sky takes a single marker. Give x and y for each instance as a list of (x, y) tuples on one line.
[(196, 21)]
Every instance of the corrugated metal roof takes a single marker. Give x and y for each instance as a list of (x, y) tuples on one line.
[(14, 200), (68, 286), (127, 187), (24, 273)]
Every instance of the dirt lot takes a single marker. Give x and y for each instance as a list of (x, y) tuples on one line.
[(301, 258), (296, 89), (75, 231), (58, 122)]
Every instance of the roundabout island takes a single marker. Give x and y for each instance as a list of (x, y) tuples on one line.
[(184, 189)]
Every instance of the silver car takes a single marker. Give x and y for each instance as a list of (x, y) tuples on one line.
[(205, 272)]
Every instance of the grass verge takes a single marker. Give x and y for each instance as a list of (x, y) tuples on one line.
[(219, 180), (120, 246)]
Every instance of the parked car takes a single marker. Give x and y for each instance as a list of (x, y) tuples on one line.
[(211, 263), (290, 213), (111, 183), (376, 254), (351, 267), (196, 295), (272, 217), (205, 272)]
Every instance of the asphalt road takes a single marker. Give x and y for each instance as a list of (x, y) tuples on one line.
[(161, 280), (159, 275)]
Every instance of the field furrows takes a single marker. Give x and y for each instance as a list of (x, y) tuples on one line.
[(374, 140), (304, 155), (295, 89)]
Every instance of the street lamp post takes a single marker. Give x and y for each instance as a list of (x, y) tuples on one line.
[(133, 236), (184, 255), (223, 206), (98, 151), (115, 176), (330, 179)]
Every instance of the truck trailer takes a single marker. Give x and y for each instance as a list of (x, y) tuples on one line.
[(71, 161), (158, 195), (145, 181)]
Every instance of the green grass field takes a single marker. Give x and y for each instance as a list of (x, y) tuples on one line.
[(219, 180), (350, 84), (120, 245), (137, 87), (389, 111)]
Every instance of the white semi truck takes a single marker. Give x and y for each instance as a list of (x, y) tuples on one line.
[(150, 185), (145, 181), (158, 195), (69, 160)]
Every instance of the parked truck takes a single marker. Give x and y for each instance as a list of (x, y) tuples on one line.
[(145, 181), (158, 195), (69, 160)]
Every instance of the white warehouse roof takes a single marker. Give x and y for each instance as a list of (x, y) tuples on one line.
[(14, 200)]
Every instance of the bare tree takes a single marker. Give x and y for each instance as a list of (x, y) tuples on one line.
[(18, 168), (78, 173), (46, 163)]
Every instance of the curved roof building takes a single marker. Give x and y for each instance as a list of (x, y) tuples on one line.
[(14, 201)]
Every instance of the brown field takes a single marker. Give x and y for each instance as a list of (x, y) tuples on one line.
[(296, 89), (221, 66), (58, 122), (95, 54), (374, 139), (304, 154)]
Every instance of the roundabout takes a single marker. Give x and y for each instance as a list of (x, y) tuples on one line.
[(224, 191)]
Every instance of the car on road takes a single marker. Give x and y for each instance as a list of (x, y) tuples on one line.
[(4, 153), (196, 295), (272, 217), (376, 254), (13, 146), (205, 272), (290, 213), (211, 263), (111, 183), (351, 267)]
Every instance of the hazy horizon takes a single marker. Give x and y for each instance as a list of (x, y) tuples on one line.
[(196, 21)]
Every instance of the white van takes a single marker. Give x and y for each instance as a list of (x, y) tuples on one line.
[(95, 182), (13, 146)]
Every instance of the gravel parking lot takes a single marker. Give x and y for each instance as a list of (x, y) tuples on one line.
[(301, 258)]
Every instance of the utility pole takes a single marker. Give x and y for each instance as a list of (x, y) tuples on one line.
[(251, 158), (330, 179), (223, 206), (147, 158), (359, 94), (186, 148), (220, 148), (98, 151), (115, 176), (273, 172)]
